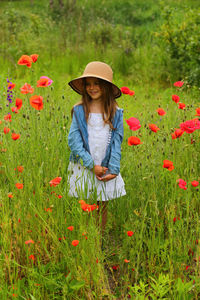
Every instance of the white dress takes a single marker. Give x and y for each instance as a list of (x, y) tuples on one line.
[(83, 182)]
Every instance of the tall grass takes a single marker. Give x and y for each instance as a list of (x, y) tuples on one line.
[(160, 249)]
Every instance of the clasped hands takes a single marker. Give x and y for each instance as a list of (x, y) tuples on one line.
[(100, 171)]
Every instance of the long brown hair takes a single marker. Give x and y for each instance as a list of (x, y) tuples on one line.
[(109, 102)]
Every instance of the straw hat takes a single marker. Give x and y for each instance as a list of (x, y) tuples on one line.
[(95, 69)]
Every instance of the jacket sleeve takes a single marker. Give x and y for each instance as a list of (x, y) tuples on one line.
[(115, 155), (76, 145)]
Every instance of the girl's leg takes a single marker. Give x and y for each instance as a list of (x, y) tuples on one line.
[(102, 213)]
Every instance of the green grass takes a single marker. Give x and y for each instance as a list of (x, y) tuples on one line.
[(159, 247)]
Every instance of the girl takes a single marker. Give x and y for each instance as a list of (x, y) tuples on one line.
[(95, 138)]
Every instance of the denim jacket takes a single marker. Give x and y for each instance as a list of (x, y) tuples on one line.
[(78, 141)]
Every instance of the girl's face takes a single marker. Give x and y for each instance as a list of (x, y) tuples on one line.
[(93, 88)]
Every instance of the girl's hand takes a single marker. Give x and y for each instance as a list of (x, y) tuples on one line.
[(99, 170), (107, 177)]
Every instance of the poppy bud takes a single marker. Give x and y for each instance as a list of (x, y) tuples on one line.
[(63, 97), (24, 116)]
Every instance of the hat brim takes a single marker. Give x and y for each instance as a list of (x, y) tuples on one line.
[(77, 85)]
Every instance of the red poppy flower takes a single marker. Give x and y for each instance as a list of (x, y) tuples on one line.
[(27, 88), (7, 117), (14, 109), (34, 57), (18, 103), (29, 242), (153, 127), (55, 181), (36, 102), (25, 60), (6, 130), (88, 207), (43, 82), (130, 233), (181, 105), (115, 268), (19, 186), (15, 136), (182, 184), (11, 86), (126, 261), (75, 243), (125, 90), (71, 228), (178, 83), (194, 183), (198, 112), (161, 111), (133, 123), (133, 140), (177, 133), (48, 209), (32, 257), (175, 98), (190, 125), (131, 93), (168, 164), (10, 195), (20, 169)]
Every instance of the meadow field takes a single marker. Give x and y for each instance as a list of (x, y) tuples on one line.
[(50, 244)]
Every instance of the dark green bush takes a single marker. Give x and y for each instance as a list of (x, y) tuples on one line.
[(180, 39)]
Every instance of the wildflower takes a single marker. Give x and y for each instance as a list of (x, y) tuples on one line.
[(14, 109), (36, 102), (27, 88), (153, 127), (50, 81), (177, 133), (190, 125), (161, 111), (133, 140), (133, 123), (11, 85), (19, 220), (34, 57), (18, 103), (20, 169), (71, 228), (10, 195), (178, 83), (182, 184), (198, 112), (49, 209), (88, 207), (168, 165), (130, 233), (32, 257), (175, 98), (194, 183), (186, 268), (125, 90), (15, 136), (7, 117), (181, 106), (126, 261), (29, 242), (60, 196), (25, 60), (6, 130), (115, 268), (42, 82), (19, 186), (55, 181), (75, 243), (175, 219), (131, 93)]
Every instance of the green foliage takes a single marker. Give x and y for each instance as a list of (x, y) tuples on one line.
[(180, 34)]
